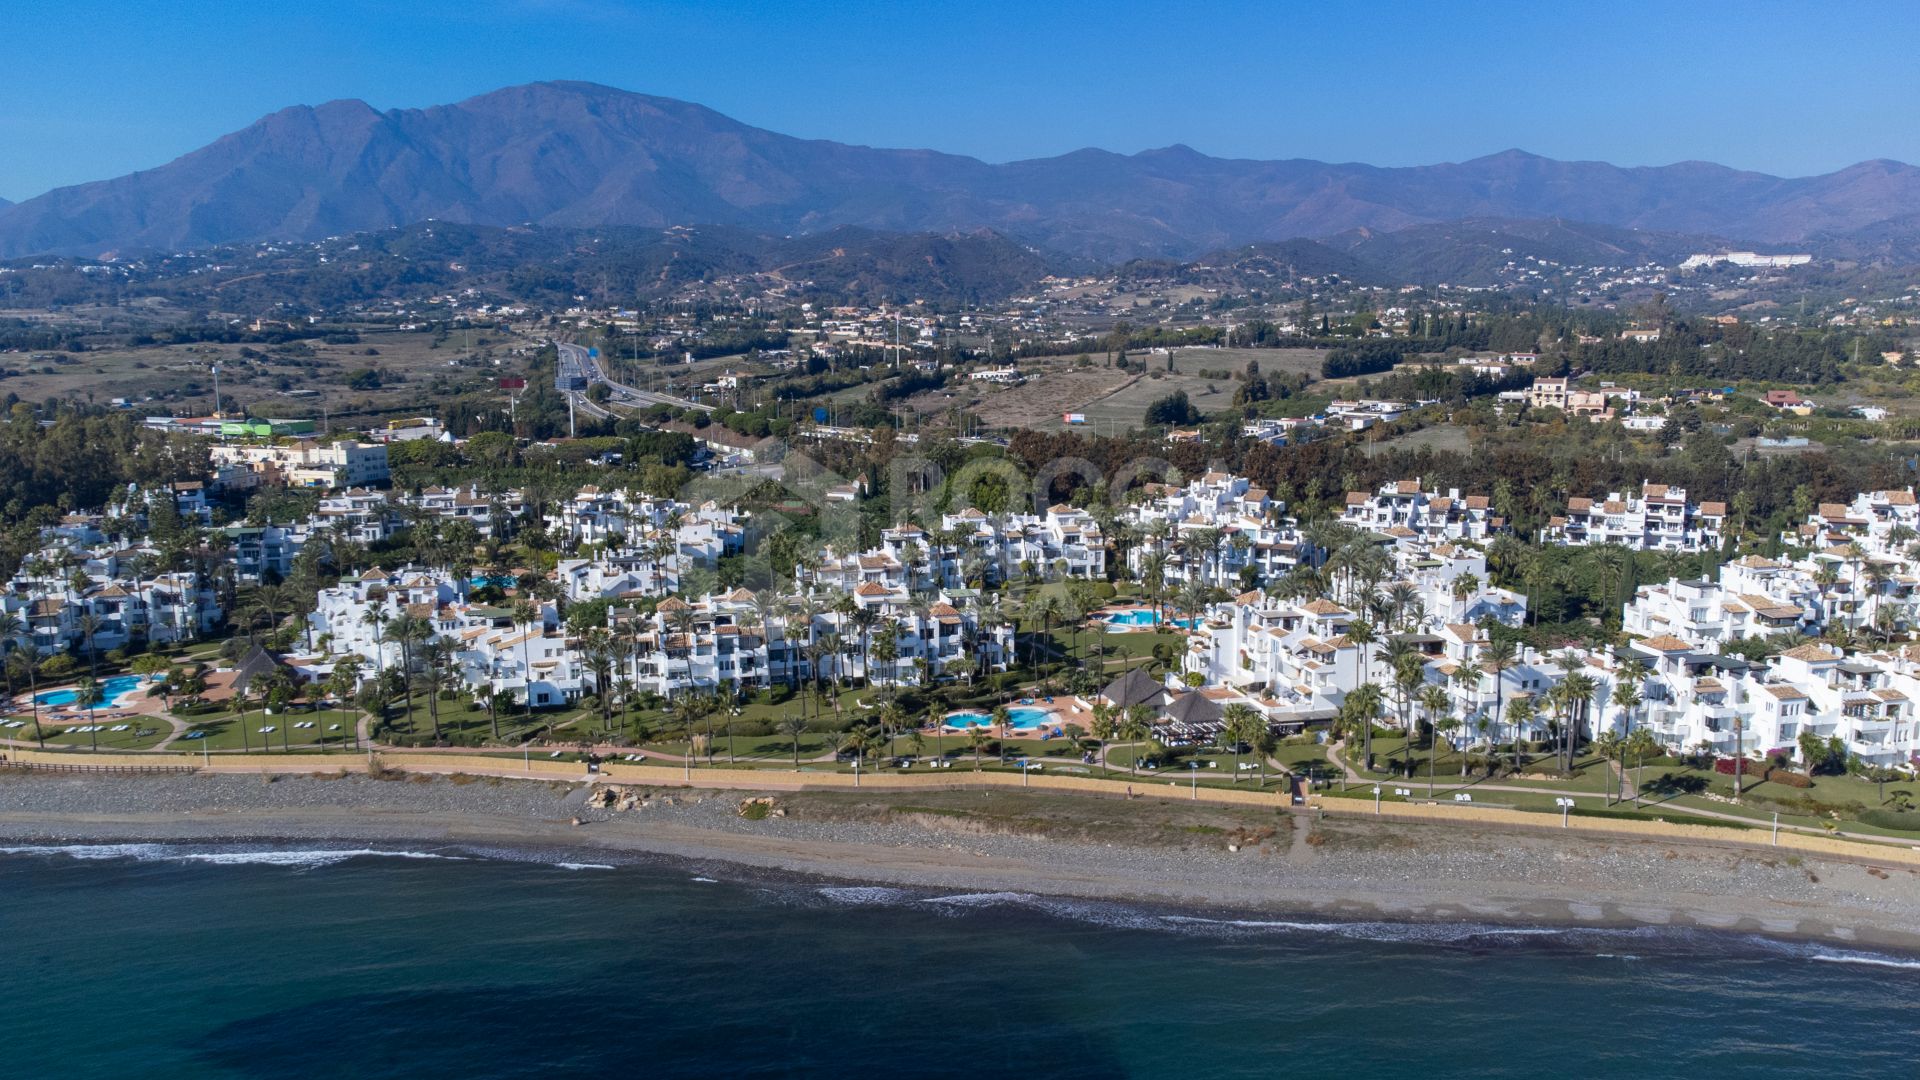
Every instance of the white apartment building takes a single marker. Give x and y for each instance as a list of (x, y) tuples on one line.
[(1659, 518), (1428, 515), (341, 464)]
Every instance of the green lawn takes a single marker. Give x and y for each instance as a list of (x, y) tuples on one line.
[(1115, 646), (461, 721), (228, 731), (143, 732)]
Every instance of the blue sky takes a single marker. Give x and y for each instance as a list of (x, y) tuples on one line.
[(92, 89)]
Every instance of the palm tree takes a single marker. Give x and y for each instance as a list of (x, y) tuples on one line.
[(11, 628), (793, 726), (403, 632), (1137, 728), (688, 710), (1044, 608), (1519, 715), (597, 649), (892, 719), (1642, 745), (1437, 704), (975, 737), (377, 617), (864, 619), (1238, 725), (21, 666), (240, 702), (86, 694), (1579, 689), (1360, 632), (1362, 707), (90, 625), (1609, 746), (1626, 695), (523, 615)]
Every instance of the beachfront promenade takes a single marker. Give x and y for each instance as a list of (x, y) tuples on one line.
[(1852, 846)]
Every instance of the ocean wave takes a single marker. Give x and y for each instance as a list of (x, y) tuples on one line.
[(864, 894), (301, 859), (1412, 932), (1095, 912), (583, 866), (1868, 959)]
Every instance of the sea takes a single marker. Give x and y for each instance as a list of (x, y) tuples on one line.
[(150, 960)]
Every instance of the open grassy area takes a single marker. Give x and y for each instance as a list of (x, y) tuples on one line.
[(142, 733), (1195, 361), (229, 731), (1440, 437), (1125, 407), (412, 368)]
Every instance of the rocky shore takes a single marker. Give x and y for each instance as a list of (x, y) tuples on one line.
[(1147, 850)]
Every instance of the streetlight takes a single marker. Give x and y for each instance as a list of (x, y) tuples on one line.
[(1376, 800), (1566, 807)]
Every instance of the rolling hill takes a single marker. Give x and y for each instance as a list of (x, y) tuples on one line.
[(568, 154)]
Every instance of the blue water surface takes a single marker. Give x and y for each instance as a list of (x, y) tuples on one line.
[(1023, 717), (110, 689), (164, 963)]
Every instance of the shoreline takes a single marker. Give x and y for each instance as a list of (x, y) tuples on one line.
[(1333, 871)]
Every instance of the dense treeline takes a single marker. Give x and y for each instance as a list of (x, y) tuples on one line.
[(1368, 359), (1529, 477), (1705, 349), (77, 461)]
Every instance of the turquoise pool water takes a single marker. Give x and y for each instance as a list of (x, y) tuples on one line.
[(500, 581), (1024, 718), (1146, 617), (110, 689)]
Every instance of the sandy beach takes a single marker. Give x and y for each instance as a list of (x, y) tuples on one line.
[(1147, 851)]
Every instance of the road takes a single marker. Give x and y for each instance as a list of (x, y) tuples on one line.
[(579, 364)]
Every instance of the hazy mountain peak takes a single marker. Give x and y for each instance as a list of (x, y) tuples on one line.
[(575, 153)]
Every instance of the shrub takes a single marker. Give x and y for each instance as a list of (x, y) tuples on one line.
[(1787, 778), (1903, 820)]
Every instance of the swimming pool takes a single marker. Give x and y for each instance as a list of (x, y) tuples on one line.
[(1146, 617), (1023, 718), (498, 581), (110, 691)]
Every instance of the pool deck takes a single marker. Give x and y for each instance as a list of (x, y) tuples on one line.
[(1066, 709), (133, 703), (1102, 618)]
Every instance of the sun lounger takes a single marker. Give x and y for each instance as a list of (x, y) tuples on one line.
[(555, 754), (333, 727), (122, 727)]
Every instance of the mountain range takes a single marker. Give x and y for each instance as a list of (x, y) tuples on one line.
[(571, 154)]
